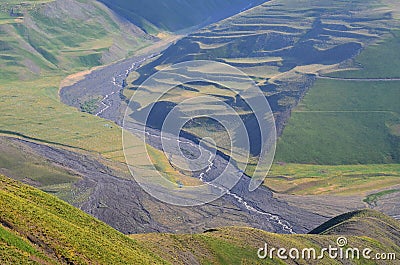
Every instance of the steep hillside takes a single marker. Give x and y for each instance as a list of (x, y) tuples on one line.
[(338, 135), (284, 46), (177, 15), (37, 228)]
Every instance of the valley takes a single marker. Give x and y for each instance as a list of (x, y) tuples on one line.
[(284, 87), (72, 134), (109, 193)]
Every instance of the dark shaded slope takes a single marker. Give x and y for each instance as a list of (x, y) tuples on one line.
[(174, 15), (362, 223)]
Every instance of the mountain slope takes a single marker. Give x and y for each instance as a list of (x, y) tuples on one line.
[(47, 228), (60, 35), (281, 45), (14, 249), (45, 43), (286, 46), (177, 15), (358, 105)]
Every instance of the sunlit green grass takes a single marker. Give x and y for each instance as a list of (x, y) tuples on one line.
[(68, 232), (14, 250), (301, 179), (31, 109), (344, 122)]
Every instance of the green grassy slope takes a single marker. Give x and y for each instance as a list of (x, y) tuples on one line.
[(21, 163), (176, 15), (345, 122), (367, 223), (349, 122), (373, 62), (16, 250), (56, 36), (303, 179), (37, 226)]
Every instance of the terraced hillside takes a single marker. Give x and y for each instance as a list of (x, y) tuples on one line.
[(177, 15), (281, 45), (37, 228), (289, 48), (350, 116)]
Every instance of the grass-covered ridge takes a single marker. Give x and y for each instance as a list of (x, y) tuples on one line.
[(363, 223), (373, 62), (235, 245), (37, 228)]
